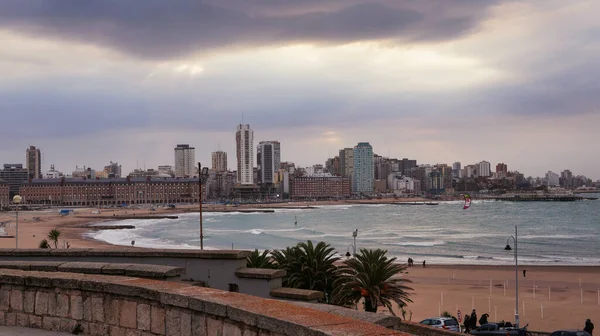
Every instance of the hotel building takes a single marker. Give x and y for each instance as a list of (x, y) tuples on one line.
[(115, 191), (320, 187), (244, 141)]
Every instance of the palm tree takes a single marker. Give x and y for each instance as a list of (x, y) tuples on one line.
[(287, 260), (309, 266), (53, 235), (44, 244), (373, 277), (259, 260)]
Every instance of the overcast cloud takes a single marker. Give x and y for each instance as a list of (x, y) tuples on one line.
[(439, 81)]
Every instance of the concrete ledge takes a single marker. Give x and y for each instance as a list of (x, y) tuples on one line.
[(387, 321), (137, 270), (296, 294), (260, 273), (153, 271), (82, 267), (130, 252), (116, 305)]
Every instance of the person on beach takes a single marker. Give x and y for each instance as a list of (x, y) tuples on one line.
[(473, 319), (423, 263), (524, 273), (589, 326)]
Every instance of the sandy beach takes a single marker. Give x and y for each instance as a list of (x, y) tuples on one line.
[(462, 286), (459, 287)]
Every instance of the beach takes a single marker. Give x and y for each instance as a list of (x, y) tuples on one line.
[(458, 286), (471, 285)]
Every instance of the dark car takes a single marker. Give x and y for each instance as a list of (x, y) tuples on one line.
[(570, 333)]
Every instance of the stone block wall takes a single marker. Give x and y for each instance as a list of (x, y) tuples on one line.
[(124, 306)]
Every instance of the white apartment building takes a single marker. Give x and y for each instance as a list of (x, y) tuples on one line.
[(552, 179), (185, 161), (484, 169), (244, 140)]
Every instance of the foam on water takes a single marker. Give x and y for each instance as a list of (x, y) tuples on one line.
[(438, 234)]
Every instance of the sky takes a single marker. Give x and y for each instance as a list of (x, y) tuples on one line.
[(439, 81)]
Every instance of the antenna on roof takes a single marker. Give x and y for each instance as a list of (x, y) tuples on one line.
[(242, 117)]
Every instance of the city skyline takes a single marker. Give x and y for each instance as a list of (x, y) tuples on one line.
[(488, 164), (502, 81)]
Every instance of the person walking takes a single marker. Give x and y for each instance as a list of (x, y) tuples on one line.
[(589, 326), (473, 320), (467, 324), (423, 263)]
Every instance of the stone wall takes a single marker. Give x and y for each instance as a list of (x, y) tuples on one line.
[(217, 269), (126, 306)]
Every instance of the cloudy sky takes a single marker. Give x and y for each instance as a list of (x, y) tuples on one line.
[(435, 80)]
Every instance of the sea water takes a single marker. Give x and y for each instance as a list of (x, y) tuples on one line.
[(549, 233)]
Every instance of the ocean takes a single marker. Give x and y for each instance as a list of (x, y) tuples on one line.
[(549, 233)]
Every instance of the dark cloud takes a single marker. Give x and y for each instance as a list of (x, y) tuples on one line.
[(171, 28)]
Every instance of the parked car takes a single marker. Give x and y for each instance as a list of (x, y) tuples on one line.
[(494, 329), (570, 333), (442, 322)]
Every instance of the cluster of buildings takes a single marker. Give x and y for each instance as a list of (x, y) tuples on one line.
[(260, 174)]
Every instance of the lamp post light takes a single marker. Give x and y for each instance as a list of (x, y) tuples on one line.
[(508, 248), (354, 234), (202, 177), (17, 200)]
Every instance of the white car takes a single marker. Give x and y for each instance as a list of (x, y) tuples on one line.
[(447, 323)]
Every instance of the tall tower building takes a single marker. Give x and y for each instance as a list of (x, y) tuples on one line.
[(484, 169), (456, 170), (346, 162), (185, 161), (269, 159), (219, 161), (34, 162), (244, 140), (363, 169)]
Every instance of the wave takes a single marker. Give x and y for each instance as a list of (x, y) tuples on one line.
[(125, 237), (419, 244), (552, 236)]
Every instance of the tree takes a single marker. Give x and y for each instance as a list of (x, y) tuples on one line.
[(259, 260), (53, 236), (374, 277), (44, 244), (309, 266)]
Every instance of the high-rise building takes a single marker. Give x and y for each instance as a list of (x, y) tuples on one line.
[(501, 168), (552, 179), (14, 175), (346, 162), (566, 179), (363, 169), (185, 161), (484, 169), (219, 161), (244, 139), (113, 170), (456, 170), (269, 160), (34, 162)]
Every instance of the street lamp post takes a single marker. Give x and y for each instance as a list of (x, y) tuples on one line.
[(354, 234), (17, 200), (202, 177), (508, 248)]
